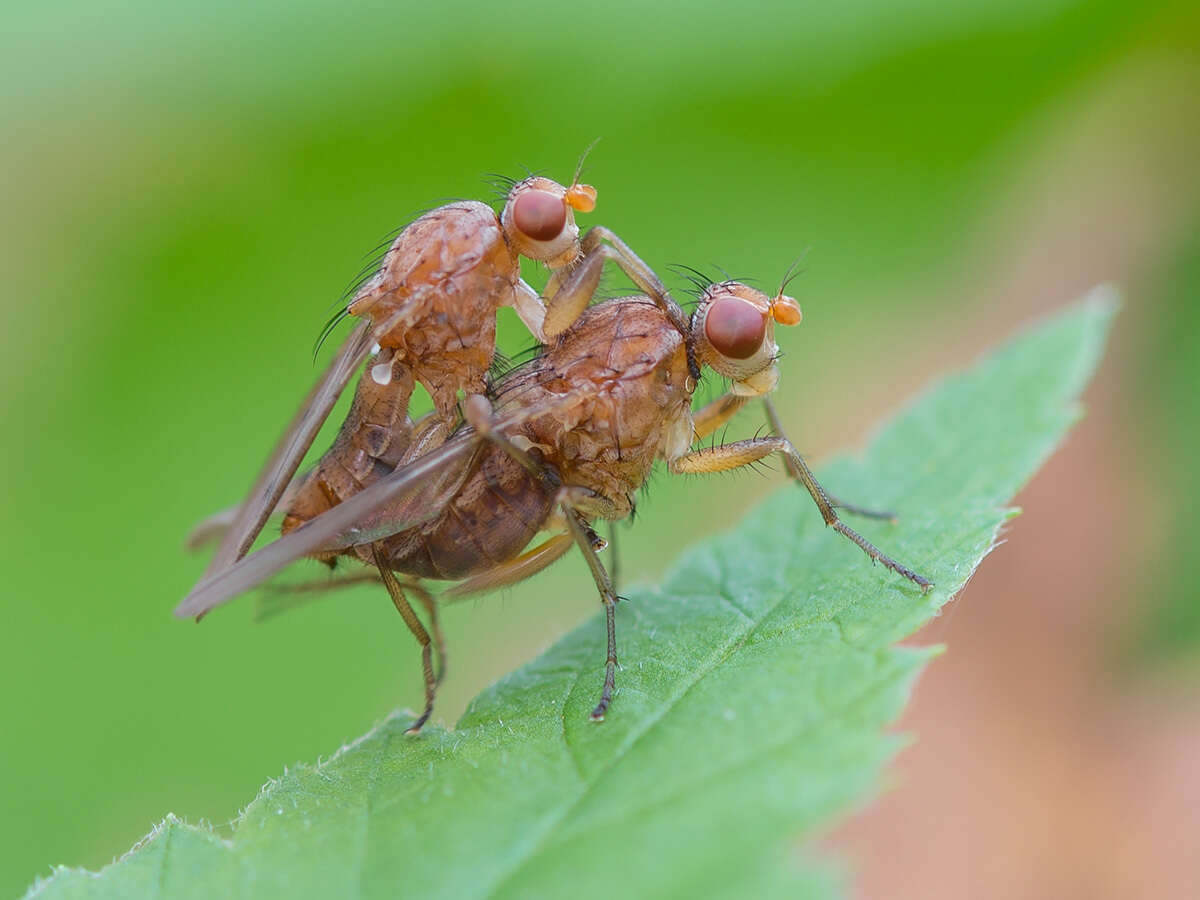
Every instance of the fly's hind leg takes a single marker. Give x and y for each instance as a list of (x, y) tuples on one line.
[(589, 542), (478, 413), (614, 568), (414, 625), (524, 566), (439, 640)]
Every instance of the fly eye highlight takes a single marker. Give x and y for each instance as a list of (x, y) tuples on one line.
[(539, 215), (735, 328)]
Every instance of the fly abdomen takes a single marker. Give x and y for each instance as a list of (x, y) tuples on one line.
[(369, 445), (493, 517)]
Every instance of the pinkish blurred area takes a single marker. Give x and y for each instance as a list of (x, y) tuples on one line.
[(1042, 767)]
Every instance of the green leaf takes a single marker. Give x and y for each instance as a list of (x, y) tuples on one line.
[(756, 684)]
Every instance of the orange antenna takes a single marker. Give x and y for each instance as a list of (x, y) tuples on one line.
[(582, 197)]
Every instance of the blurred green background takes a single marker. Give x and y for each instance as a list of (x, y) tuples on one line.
[(188, 188)]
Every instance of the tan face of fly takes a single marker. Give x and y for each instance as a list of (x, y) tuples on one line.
[(733, 332), (539, 219)]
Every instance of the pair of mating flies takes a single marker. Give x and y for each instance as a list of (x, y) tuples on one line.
[(503, 477)]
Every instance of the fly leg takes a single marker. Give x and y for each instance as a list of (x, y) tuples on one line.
[(439, 641), (589, 543), (530, 309), (712, 416), (524, 566), (477, 410), (615, 566), (777, 427), (882, 514), (478, 413), (569, 291), (419, 632), (743, 453)]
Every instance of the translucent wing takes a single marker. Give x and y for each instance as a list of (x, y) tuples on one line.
[(421, 489), (263, 497), (276, 599), (408, 497), (211, 529), (436, 255)]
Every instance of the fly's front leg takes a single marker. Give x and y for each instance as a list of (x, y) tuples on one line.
[(530, 309), (414, 625), (777, 426), (569, 291), (712, 416), (743, 453), (717, 413)]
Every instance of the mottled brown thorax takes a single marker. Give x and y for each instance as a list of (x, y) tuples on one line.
[(628, 365), (438, 291)]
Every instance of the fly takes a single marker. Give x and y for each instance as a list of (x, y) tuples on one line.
[(556, 445)]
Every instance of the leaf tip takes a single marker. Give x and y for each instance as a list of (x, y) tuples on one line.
[(1103, 299)]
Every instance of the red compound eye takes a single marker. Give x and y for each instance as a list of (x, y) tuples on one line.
[(735, 328), (539, 215)]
